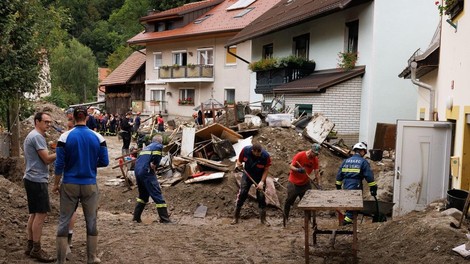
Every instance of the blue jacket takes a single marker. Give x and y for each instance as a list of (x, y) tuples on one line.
[(150, 154), (80, 151), (254, 165), (352, 171)]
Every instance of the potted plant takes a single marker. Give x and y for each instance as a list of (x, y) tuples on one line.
[(279, 63), (347, 60)]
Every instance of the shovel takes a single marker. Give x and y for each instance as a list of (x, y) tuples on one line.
[(378, 217), (464, 213)]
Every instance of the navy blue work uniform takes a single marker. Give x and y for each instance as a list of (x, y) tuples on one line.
[(350, 175), (147, 182), (255, 167)]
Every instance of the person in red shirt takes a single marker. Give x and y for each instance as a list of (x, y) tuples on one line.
[(302, 165)]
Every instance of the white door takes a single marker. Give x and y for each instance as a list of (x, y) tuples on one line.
[(421, 164)]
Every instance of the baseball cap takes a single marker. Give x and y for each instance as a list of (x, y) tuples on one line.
[(80, 111), (316, 148)]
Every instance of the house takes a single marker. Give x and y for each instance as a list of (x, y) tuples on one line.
[(187, 62), (125, 87), (101, 91), (379, 34), (443, 94)]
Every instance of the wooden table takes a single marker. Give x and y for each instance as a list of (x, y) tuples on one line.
[(317, 200)]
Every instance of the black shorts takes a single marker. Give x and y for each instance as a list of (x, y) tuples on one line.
[(38, 197)]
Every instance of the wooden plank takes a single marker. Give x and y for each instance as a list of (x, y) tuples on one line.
[(217, 130), (318, 128), (213, 176), (332, 200), (187, 142)]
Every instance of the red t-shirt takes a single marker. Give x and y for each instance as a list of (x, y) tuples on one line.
[(301, 178)]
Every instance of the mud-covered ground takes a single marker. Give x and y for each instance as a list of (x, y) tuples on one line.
[(419, 237)]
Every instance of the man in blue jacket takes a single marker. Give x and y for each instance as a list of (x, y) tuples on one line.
[(80, 151), (145, 166), (351, 173)]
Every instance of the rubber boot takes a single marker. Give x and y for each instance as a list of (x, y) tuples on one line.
[(91, 245), (29, 247), (139, 208), (61, 247), (285, 216), (69, 239), (236, 216), (164, 217), (40, 254), (262, 217)]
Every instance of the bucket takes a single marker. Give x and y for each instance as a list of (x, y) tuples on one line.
[(376, 154), (456, 199)]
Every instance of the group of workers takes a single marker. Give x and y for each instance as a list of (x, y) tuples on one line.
[(254, 162), (80, 151)]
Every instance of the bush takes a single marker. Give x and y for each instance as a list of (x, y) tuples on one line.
[(61, 98), (275, 63)]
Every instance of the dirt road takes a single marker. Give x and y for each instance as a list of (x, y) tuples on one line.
[(417, 238)]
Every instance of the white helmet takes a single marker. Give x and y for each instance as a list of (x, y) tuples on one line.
[(360, 145)]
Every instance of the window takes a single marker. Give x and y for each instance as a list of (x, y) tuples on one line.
[(157, 95), (180, 57), (157, 60), (241, 4), (229, 96), (352, 29), (205, 56), (268, 51), (301, 44), (303, 109), (244, 12), (200, 20), (229, 58), (186, 97)]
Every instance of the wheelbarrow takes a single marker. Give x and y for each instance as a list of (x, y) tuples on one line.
[(378, 210)]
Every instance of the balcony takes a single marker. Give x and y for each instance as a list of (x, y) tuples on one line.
[(268, 79), (189, 73)]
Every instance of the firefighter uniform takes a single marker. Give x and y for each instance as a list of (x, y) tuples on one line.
[(147, 182)]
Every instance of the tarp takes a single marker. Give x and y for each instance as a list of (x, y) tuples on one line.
[(209, 104)]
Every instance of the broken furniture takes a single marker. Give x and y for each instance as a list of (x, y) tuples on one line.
[(316, 200)]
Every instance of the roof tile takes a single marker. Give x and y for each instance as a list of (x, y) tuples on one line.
[(124, 72)]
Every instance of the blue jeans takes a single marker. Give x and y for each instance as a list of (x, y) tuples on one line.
[(70, 195)]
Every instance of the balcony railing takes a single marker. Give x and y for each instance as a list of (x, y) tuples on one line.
[(267, 80), (194, 71)]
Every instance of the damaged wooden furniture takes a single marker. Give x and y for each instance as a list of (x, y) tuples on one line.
[(317, 200)]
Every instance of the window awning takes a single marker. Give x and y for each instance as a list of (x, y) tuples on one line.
[(318, 81)]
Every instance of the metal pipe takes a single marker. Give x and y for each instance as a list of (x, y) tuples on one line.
[(413, 66)]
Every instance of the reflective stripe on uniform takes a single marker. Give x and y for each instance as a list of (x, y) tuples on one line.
[(160, 205), (372, 183), (350, 170), (147, 152), (140, 201), (339, 182)]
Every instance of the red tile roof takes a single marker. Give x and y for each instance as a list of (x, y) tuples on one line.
[(126, 70), (288, 13), (220, 21), (179, 11), (320, 80)]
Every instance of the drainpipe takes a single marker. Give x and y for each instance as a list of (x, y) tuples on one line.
[(413, 66)]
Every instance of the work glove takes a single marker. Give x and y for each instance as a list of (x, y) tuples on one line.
[(238, 167), (373, 190), (338, 186), (260, 185), (301, 170)]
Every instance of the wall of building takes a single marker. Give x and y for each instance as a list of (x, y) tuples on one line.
[(340, 104), (389, 32), (453, 86), (226, 76)]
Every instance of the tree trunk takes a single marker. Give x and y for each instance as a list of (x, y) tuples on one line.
[(15, 127)]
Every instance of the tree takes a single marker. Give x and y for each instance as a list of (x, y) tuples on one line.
[(74, 70), (163, 5), (103, 40)]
